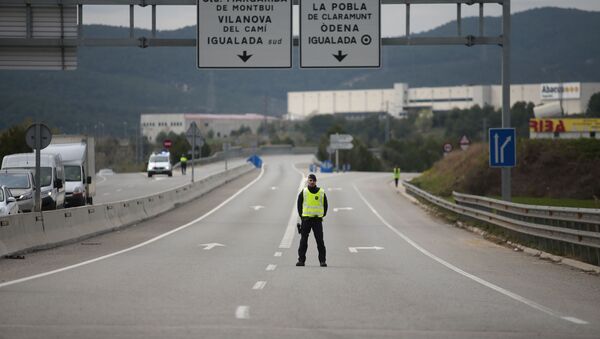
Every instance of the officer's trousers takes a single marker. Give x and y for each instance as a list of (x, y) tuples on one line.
[(317, 228)]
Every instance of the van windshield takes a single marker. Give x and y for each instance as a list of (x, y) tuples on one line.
[(45, 175), (72, 173), (158, 158), (14, 180), (1, 195)]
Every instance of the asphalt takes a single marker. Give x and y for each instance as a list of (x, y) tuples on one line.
[(394, 272)]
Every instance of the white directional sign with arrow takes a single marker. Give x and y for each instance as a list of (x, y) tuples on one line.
[(340, 34), (212, 245), (244, 34), (356, 249)]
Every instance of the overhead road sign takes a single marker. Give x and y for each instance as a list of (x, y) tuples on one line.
[(340, 138), (503, 147), (341, 145), (340, 34), (244, 34)]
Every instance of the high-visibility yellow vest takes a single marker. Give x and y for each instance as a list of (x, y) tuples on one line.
[(397, 173), (312, 205), (183, 159)]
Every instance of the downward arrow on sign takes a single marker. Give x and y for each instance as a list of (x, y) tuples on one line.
[(245, 56), (339, 56)]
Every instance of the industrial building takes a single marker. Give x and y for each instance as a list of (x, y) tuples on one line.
[(221, 125), (399, 100)]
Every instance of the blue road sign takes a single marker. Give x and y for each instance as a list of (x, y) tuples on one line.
[(503, 147)]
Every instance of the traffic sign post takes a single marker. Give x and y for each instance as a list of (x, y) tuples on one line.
[(503, 147), (339, 142), (340, 34), (464, 143), (244, 34), (447, 148), (38, 137), (194, 138)]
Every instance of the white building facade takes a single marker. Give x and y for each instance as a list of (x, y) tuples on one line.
[(400, 99), (221, 125)]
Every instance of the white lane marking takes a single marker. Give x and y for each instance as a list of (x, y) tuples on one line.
[(342, 209), (103, 179), (259, 285), (212, 245), (334, 189), (8, 283), (273, 188), (257, 207), (242, 312), (290, 230), (106, 193), (119, 189), (277, 254), (575, 320), (355, 249), (475, 278), (271, 267)]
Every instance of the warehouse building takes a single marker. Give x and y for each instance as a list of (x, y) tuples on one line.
[(221, 125), (399, 100)]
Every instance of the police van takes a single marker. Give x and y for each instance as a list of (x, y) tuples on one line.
[(160, 163)]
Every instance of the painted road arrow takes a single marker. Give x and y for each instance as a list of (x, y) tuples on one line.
[(355, 249), (245, 56), (211, 246), (257, 207), (340, 56), (342, 209)]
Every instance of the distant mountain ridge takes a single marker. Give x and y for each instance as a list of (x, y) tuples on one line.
[(112, 86)]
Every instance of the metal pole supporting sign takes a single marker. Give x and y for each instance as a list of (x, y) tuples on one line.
[(38, 137)]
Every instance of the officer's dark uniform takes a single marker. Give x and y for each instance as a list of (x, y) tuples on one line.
[(311, 223)]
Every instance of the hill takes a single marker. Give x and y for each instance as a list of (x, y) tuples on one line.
[(112, 86), (565, 169)]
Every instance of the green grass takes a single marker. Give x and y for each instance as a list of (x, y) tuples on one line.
[(556, 202)]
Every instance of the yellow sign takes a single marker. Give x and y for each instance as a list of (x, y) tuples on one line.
[(563, 125)]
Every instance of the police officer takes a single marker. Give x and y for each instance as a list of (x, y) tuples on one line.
[(183, 162), (312, 208), (396, 175)]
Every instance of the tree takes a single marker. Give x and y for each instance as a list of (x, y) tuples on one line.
[(593, 109), (12, 140)]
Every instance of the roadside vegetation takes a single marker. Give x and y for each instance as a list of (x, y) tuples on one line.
[(548, 172)]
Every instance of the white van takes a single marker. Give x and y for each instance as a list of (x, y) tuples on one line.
[(79, 171), (52, 176), (160, 163)]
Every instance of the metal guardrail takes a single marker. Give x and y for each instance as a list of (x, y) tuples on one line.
[(574, 232)]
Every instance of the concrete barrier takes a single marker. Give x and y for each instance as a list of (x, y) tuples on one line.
[(30, 231)]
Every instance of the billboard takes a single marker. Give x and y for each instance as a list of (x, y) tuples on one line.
[(566, 90), (564, 125)]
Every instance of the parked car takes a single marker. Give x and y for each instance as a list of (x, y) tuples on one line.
[(21, 184), (8, 203)]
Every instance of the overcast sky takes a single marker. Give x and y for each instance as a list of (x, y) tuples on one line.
[(423, 17)]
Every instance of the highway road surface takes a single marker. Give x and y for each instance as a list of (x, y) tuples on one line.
[(125, 186), (223, 266)]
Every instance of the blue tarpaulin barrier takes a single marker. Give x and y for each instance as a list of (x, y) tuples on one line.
[(326, 167), (255, 160)]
